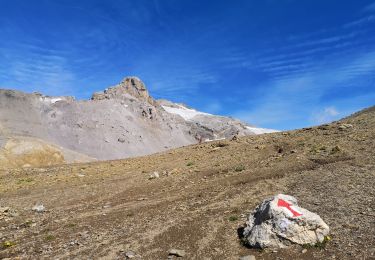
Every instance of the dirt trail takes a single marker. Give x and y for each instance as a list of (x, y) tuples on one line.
[(101, 210)]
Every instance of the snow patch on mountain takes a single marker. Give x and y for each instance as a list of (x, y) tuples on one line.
[(259, 131), (190, 114), (185, 113)]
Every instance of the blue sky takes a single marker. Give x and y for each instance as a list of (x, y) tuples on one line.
[(280, 64)]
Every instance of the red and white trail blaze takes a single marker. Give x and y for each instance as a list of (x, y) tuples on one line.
[(283, 203)]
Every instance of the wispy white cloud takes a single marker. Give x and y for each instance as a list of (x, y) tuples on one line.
[(369, 8), (213, 107), (179, 82), (286, 62), (360, 21), (325, 115), (28, 68), (298, 96), (329, 40)]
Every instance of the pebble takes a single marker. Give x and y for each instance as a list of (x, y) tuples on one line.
[(4, 209), (247, 257), (177, 252), (345, 126), (130, 254), (154, 175), (38, 208), (304, 251)]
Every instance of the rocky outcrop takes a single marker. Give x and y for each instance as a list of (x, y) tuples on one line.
[(279, 222), (132, 86)]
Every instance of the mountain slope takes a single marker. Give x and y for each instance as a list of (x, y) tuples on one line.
[(123, 121), (102, 210)]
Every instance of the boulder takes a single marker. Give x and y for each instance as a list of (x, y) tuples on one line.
[(279, 221)]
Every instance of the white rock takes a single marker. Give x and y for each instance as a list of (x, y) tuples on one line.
[(154, 175), (130, 254), (248, 257), (345, 126), (177, 252), (279, 222), (38, 208)]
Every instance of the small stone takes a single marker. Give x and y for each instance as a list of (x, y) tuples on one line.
[(121, 140), (4, 209), (177, 252), (154, 175), (14, 214), (345, 126), (304, 251), (38, 208), (130, 254), (247, 257)]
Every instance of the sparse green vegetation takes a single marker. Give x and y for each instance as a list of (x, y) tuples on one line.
[(7, 244), (318, 149), (130, 214), (233, 218), (220, 144), (190, 164), (49, 238), (239, 168), (319, 245), (335, 149), (27, 180), (71, 225), (27, 223)]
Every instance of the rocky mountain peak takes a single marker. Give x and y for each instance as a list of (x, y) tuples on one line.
[(128, 86), (135, 87)]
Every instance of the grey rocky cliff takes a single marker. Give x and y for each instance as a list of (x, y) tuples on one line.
[(123, 121)]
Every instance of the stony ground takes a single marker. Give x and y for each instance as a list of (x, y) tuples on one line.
[(104, 210)]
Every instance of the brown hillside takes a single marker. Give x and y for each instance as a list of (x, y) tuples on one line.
[(101, 210)]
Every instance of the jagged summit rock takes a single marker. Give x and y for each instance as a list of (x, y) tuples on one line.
[(132, 86)]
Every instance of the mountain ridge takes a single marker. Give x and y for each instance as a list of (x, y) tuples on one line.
[(121, 121)]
